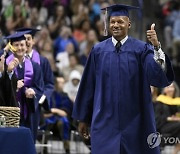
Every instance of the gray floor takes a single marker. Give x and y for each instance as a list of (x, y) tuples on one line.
[(168, 150), (56, 147)]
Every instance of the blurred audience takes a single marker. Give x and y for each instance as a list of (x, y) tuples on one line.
[(176, 40), (57, 20), (62, 58), (63, 39), (167, 113), (86, 46), (73, 65)]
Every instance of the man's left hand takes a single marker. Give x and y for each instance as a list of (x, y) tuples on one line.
[(152, 36), (30, 93)]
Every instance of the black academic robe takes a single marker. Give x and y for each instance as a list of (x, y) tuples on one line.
[(114, 96), (32, 119), (162, 112), (8, 89)]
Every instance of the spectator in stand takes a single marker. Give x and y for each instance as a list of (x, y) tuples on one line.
[(42, 39), (62, 58), (17, 20), (65, 37), (58, 119), (33, 19), (71, 87), (167, 112), (86, 46), (176, 41), (80, 33), (170, 17), (80, 15), (9, 9), (73, 65), (57, 21)]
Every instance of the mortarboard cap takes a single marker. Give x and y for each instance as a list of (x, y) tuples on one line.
[(116, 10), (32, 31), (17, 36), (119, 9)]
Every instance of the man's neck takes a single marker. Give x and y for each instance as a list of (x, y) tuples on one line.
[(114, 40), (21, 59), (29, 51)]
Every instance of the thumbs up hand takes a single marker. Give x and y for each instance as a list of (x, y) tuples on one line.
[(152, 36)]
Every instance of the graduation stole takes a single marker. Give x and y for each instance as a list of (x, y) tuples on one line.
[(28, 70), (28, 75), (168, 100), (35, 56)]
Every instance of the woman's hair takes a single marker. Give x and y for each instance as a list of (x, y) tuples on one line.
[(176, 92)]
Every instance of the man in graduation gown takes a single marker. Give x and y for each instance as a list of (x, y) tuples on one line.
[(44, 64), (114, 96), (30, 83)]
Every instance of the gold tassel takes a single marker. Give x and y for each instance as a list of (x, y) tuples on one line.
[(11, 48), (105, 23)]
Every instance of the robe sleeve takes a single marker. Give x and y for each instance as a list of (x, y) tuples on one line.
[(156, 76), (8, 89), (67, 105), (37, 86), (83, 106), (160, 58), (48, 82), (2, 102)]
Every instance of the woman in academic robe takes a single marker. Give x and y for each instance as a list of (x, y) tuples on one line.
[(166, 112), (30, 84)]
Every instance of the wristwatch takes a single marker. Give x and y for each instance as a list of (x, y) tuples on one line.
[(157, 47)]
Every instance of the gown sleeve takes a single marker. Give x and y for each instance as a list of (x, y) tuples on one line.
[(37, 86), (8, 90), (48, 82), (155, 74), (83, 106)]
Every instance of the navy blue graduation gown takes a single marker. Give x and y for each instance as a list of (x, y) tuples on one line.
[(60, 100), (48, 81), (115, 98), (32, 120)]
